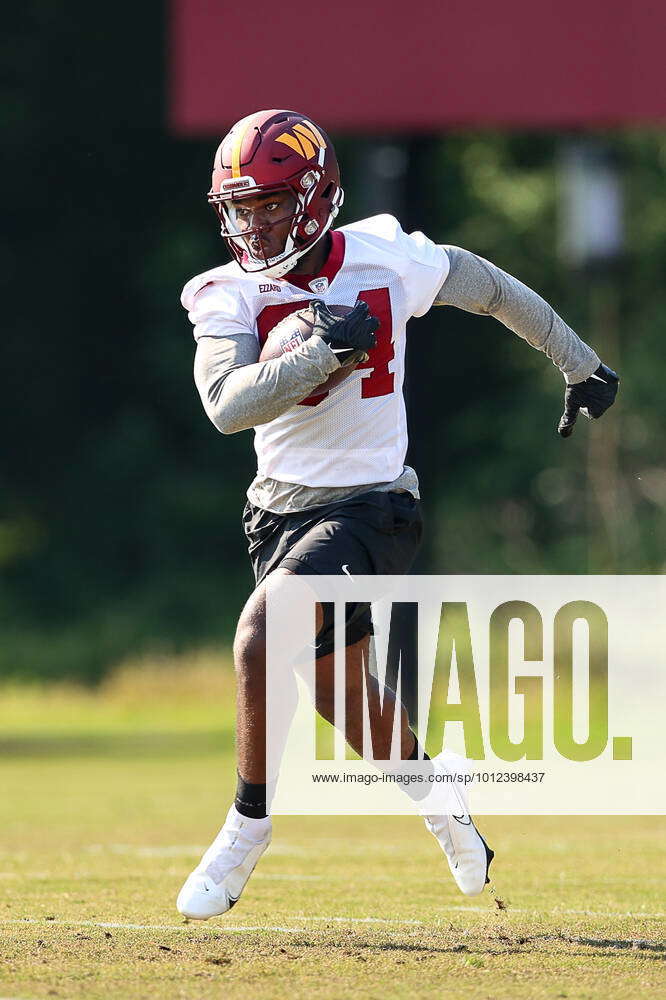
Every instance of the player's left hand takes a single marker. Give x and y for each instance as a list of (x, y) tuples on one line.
[(591, 398)]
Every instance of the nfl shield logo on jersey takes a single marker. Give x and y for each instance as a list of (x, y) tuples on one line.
[(319, 285)]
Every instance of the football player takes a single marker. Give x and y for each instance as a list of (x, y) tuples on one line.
[(332, 492)]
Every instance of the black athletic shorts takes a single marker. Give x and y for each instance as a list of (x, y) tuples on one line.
[(375, 533)]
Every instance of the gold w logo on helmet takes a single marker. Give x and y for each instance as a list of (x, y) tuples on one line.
[(304, 138)]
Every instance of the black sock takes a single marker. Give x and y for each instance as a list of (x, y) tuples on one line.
[(414, 755), (417, 791), (250, 799)]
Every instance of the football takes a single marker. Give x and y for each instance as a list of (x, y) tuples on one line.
[(294, 330)]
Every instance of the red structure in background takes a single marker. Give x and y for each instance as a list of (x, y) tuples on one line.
[(418, 65)]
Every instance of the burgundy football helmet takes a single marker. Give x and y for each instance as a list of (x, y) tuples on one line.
[(276, 151)]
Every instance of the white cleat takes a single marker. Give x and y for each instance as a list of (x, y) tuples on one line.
[(466, 851), (218, 880)]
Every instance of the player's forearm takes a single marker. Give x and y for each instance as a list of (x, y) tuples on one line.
[(476, 285), (238, 394)]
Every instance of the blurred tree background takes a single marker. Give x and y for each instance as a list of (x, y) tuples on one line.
[(120, 518)]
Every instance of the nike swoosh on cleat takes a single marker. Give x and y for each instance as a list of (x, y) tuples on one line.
[(459, 819)]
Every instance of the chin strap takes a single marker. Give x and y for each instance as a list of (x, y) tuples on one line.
[(279, 270)]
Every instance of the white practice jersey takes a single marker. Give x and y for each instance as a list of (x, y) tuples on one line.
[(357, 432)]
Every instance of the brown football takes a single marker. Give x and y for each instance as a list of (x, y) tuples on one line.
[(294, 330)]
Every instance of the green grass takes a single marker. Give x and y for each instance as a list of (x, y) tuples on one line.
[(107, 799)]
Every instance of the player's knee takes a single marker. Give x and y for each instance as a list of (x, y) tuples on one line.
[(354, 689), (249, 650), (324, 694), (325, 703)]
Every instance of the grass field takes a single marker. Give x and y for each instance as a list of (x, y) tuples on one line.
[(107, 800)]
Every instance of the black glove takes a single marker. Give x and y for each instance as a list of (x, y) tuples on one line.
[(592, 397), (350, 337)]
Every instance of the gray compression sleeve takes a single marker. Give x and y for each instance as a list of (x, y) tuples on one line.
[(239, 392), (477, 286)]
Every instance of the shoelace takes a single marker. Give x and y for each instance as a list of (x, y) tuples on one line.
[(439, 827), (227, 851)]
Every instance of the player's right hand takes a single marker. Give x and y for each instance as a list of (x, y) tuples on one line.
[(350, 337), (591, 398)]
